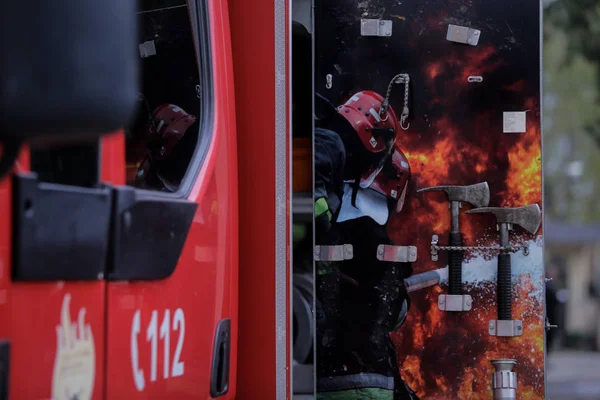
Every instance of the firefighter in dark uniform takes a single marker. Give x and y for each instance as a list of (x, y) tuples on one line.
[(170, 136), (362, 299)]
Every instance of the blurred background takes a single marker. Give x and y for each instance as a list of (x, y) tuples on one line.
[(571, 74)]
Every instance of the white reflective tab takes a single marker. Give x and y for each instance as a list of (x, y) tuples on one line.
[(375, 114), (514, 122), (396, 253), (147, 49), (462, 34), (334, 253), (160, 125), (375, 27)]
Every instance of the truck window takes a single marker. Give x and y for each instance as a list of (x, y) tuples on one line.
[(162, 139)]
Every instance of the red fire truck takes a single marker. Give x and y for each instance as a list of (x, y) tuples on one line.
[(99, 298), (155, 244)]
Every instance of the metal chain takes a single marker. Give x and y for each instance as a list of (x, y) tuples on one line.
[(398, 79), (512, 249)]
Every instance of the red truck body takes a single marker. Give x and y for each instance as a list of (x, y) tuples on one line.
[(158, 338)]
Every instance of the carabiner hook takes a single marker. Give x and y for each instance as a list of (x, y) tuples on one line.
[(402, 121)]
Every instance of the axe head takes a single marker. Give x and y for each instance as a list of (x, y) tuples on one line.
[(527, 217), (477, 195)]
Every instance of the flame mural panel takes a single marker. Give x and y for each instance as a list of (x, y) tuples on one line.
[(446, 125)]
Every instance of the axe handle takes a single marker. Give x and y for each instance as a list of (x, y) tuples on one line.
[(504, 287), (422, 281), (455, 259)]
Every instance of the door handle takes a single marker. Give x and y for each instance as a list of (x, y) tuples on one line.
[(4, 368), (219, 377)]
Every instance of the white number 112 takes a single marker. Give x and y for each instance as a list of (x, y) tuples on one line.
[(152, 337)]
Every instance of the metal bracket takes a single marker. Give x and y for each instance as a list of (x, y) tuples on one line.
[(434, 247), (506, 328), (462, 34), (396, 253), (147, 49), (454, 302), (334, 253), (375, 27), (549, 326)]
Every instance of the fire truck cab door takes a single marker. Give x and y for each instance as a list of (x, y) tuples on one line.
[(172, 295), (118, 258)]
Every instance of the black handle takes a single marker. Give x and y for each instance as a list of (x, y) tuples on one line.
[(4, 368), (455, 259), (219, 379), (504, 287)]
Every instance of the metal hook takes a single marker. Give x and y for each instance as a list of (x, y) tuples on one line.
[(402, 121)]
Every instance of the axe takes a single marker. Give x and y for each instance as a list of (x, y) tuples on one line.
[(528, 218), (477, 195)]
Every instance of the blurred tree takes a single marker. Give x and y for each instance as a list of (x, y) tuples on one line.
[(572, 109), (580, 19)]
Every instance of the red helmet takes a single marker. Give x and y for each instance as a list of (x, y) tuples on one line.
[(392, 181), (377, 133), (168, 126)]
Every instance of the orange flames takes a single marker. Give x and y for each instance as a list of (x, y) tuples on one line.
[(447, 355), (524, 183)]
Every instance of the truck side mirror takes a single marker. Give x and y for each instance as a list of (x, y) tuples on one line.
[(68, 70)]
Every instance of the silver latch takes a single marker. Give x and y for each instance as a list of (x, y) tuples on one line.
[(505, 328), (549, 326), (473, 79), (455, 302), (396, 253), (147, 49), (328, 81), (462, 34), (334, 253), (375, 27)]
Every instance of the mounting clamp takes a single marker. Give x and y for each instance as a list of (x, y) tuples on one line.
[(505, 328), (376, 27), (147, 49), (462, 34), (455, 302), (334, 253), (396, 253)]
